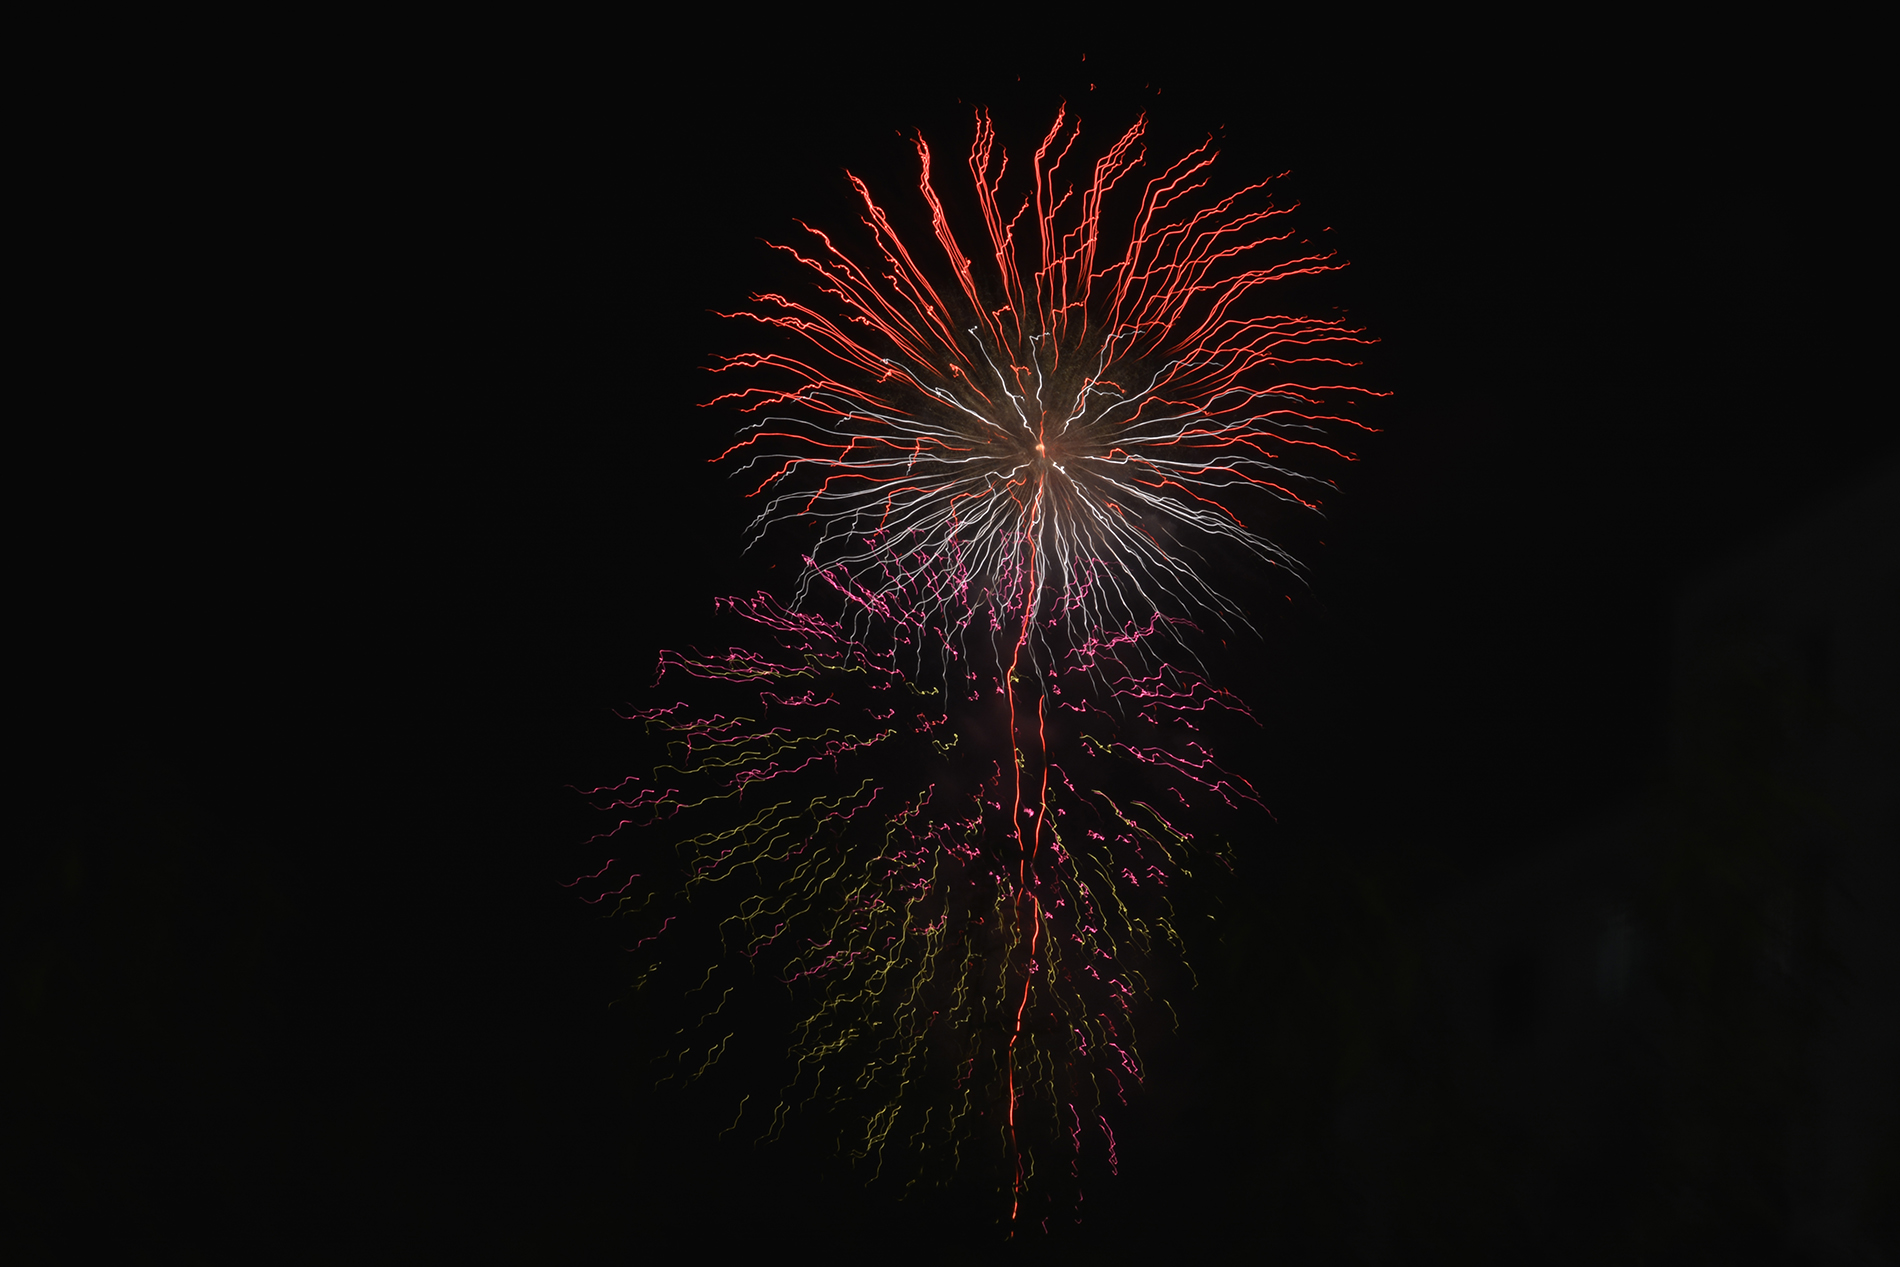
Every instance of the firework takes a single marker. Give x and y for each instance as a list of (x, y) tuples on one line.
[(948, 805)]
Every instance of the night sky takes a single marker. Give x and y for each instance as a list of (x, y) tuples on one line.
[(411, 483)]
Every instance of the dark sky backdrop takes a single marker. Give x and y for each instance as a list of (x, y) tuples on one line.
[(1619, 300)]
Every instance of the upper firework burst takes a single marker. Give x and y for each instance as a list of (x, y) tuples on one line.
[(1045, 441)]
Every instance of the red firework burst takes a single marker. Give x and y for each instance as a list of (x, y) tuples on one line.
[(1014, 474), (1048, 442)]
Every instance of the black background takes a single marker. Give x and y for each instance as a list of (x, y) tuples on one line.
[(385, 475)]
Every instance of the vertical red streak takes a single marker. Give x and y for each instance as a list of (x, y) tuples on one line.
[(1108, 169), (1002, 235), (1046, 205), (959, 262), (922, 295), (1023, 851)]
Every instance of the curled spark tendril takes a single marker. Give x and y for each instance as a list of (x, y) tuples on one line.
[(954, 817)]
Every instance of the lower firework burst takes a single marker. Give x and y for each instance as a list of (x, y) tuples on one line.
[(945, 797)]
